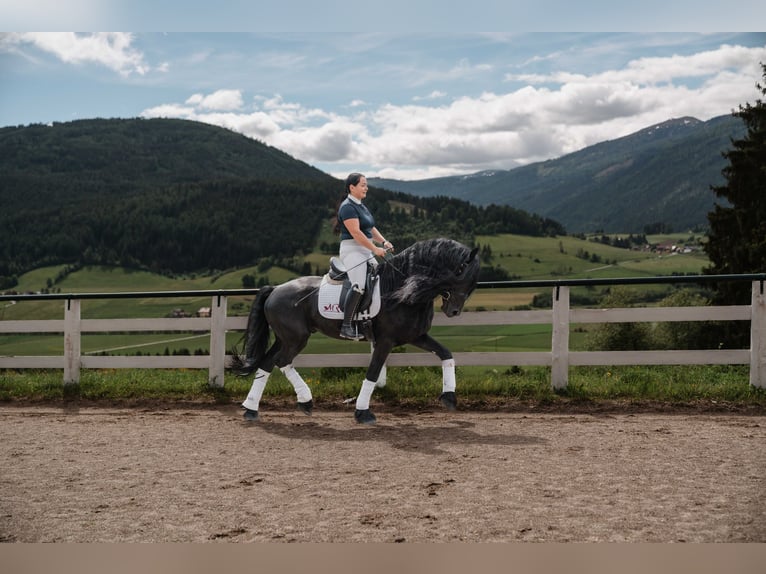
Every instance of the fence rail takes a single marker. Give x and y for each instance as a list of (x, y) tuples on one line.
[(560, 316)]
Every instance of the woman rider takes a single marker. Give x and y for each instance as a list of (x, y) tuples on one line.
[(357, 236)]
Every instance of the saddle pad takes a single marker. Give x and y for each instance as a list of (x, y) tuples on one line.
[(329, 301)]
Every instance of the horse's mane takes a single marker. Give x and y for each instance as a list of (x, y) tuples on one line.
[(422, 271)]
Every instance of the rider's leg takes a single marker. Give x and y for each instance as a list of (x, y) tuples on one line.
[(355, 258), (348, 330)]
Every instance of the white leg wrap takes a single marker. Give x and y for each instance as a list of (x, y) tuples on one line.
[(381, 382), (448, 376), (302, 390), (363, 400), (254, 396)]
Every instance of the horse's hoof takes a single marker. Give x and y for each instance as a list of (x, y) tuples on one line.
[(250, 415), (364, 417), (306, 407), (449, 400)]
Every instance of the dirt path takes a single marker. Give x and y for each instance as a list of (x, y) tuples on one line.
[(202, 474)]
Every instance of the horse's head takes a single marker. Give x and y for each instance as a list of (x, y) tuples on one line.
[(462, 284), (430, 268)]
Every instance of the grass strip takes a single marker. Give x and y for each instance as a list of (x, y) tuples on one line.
[(707, 386)]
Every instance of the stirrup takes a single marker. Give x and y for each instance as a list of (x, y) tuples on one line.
[(351, 332)]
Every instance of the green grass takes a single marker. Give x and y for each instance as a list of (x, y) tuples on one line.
[(707, 387), (470, 338), (555, 258)]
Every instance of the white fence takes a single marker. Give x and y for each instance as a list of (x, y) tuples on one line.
[(559, 358)]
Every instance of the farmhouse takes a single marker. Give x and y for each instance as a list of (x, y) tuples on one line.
[(203, 312)]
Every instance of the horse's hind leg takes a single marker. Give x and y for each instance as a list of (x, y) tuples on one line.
[(252, 402), (302, 390), (283, 359)]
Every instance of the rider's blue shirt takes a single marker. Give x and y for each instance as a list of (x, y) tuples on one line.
[(352, 209)]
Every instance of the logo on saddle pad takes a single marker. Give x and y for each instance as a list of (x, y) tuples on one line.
[(330, 293)]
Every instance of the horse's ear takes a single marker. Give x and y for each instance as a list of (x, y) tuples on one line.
[(468, 261)]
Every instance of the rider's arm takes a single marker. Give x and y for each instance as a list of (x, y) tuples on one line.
[(378, 236), (353, 228)]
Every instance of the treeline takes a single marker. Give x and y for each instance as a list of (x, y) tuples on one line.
[(180, 229), (406, 218), (219, 225)]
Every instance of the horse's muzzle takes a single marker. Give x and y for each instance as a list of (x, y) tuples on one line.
[(451, 310)]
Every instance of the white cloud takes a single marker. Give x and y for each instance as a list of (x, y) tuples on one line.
[(110, 49), (222, 100), (551, 115), (169, 111), (435, 95)]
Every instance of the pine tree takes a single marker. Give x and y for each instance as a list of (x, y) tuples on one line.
[(737, 237)]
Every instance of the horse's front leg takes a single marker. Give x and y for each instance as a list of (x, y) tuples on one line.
[(382, 376), (428, 343), (380, 353)]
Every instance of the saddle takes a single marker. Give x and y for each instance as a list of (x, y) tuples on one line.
[(336, 284)]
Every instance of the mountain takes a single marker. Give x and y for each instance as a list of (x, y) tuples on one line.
[(129, 155), (659, 177), (178, 196)]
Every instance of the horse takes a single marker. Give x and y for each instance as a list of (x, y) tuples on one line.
[(410, 282)]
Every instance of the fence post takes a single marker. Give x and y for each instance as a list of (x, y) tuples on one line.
[(217, 340), (72, 342), (560, 338), (758, 336)]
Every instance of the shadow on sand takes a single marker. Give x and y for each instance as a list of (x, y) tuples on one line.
[(422, 436)]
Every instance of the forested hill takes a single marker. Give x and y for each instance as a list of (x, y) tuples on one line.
[(181, 196), (128, 155), (657, 178)]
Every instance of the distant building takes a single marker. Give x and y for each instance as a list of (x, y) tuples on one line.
[(203, 312)]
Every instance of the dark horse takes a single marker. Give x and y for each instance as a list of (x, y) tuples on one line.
[(409, 283)]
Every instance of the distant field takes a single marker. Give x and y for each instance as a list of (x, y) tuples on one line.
[(552, 258), (521, 256)]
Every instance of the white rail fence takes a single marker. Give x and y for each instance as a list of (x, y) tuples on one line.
[(559, 358)]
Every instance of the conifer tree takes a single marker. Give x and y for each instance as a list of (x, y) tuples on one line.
[(737, 237)]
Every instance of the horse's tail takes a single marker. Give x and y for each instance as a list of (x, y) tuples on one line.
[(256, 337)]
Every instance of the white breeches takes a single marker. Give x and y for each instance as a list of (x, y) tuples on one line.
[(354, 258)]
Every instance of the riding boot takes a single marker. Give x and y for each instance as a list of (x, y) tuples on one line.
[(347, 331)]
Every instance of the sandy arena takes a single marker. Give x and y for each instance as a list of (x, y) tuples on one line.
[(202, 474)]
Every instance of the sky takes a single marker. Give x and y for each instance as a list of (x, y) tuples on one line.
[(390, 102)]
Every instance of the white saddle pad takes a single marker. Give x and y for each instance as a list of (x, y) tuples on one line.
[(329, 301)]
